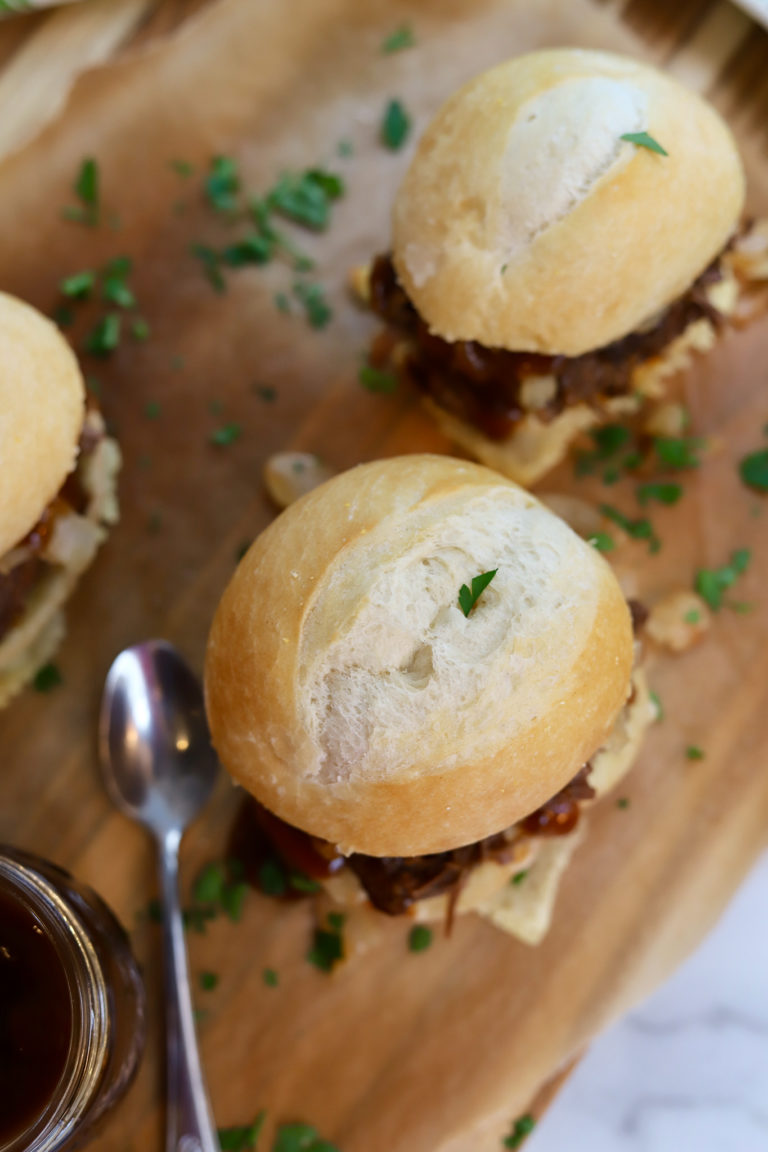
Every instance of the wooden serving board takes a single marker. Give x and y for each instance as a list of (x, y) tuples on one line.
[(396, 1052)]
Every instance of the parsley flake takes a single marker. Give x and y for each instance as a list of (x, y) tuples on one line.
[(254, 249), (602, 541), (679, 451), (225, 435), (401, 38), (115, 291), (208, 981), (105, 337), (468, 597), (328, 945), (656, 701), (419, 938), (692, 752), (640, 529), (211, 264), (622, 802), (711, 583), (86, 189), (152, 410), (521, 1128), (644, 140), (300, 1138), (395, 126), (376, 379), (306, 197), (663, 493), (270, 977), (47, 678), (140, 329), (519, 877), (78, 286), (222, 184), (312, 299), (182, 168), (209, 885), (241, 1138), (753, 470)]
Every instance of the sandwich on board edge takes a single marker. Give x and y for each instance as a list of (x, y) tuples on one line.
[(57, 497), (566, 236), (424, 756)]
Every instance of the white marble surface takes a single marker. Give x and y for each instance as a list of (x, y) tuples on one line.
[(687, 1071)]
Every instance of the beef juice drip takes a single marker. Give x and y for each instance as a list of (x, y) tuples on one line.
[(35, 1018)]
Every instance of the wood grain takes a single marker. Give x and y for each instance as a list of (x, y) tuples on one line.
[(396, 1052)]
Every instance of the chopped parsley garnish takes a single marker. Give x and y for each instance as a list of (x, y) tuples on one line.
[(377, 379), (209, 885), (609, 441), (152, 409), (105, 337), (711, 583), (692, 616), (225, 435), (211, 263), (155, 911), (233, 898), (182, 168), (115, 291), (140, 329), (208, 981), (519, 877), (78, 286), (401, 38), (265, 392), (603, 541), (306, 197), (644, 140), (640, 529), (345, 148), (254, 249), (663, 493), (692, 752), (521, 1128), (241, 1138), (753, 470), (419, 938), (300, 1138), (64, 316), (270, 977), (468, 596), (622, 802), (395, 126), (282, 302), (656, 701), (312, 299), (47, 678), (679, 451), (222, 184), (87, 191), (328, 945), (275, 879)]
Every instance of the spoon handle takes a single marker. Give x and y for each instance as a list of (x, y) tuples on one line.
[(189, 1123)]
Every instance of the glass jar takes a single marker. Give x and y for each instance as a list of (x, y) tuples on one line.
[(71, 1007)]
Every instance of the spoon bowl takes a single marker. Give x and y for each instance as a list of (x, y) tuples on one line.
[(158, 764)]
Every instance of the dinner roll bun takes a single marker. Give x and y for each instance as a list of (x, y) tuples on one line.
[(349, 693), (526, 222), (42, 398)]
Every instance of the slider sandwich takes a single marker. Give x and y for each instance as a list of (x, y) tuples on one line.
[(423, 676), (566, 236), (57, 491)]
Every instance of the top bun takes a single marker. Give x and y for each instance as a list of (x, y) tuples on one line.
[(526, 222), (348, 692), (42, 400)]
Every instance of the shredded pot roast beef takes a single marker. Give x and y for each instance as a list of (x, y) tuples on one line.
[(482, 386)]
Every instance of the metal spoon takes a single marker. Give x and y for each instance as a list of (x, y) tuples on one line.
[(159, 768)]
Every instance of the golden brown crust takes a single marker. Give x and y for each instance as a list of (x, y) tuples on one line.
[(348, 692), (565, 247), (41, 412)]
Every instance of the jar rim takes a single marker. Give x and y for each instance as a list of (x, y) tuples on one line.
[(89, 1002)]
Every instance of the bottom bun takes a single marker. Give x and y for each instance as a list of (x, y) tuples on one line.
[(36, 636)]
